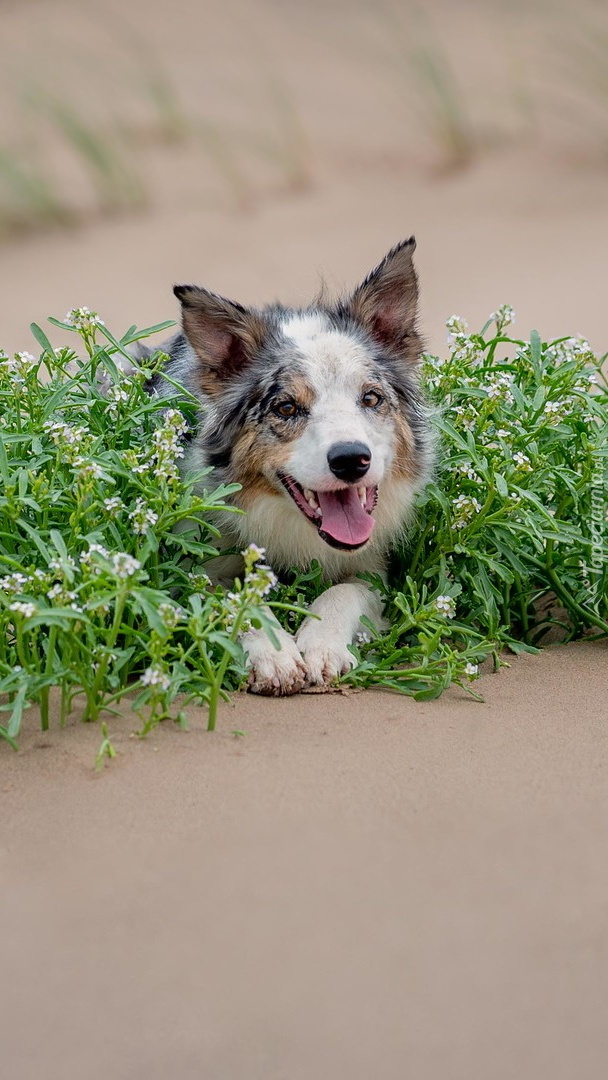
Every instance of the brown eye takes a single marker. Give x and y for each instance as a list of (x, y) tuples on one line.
[(370, 399), (286, 409)]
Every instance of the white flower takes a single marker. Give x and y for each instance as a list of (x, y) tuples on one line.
[(362, 637), (87, 469), (253, 554), (155, 676), (465, 350), (522, 461), (85, 557), (499, 387), (113, 506), (13, 583), (471, 670), (142, 516), (456, 325), (574, 348), (117, 394), (503, 316), (502, 433), (465, 507), (259, 582), (466, 469), (446, 606), (170, 615), (199, 579), (124, 565), (82, 318), (23, 608)]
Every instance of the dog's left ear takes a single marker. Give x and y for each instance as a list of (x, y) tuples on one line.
[(386, 303)]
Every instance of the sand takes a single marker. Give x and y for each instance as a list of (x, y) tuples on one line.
[(360, 885)]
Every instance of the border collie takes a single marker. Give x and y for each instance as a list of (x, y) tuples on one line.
[(317, 413)]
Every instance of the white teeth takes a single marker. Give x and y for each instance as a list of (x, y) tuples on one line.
[(311, 499), (362, 493)]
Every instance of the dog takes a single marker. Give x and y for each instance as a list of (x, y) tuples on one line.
[(318, 414)]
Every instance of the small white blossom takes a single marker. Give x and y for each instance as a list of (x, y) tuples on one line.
[(82, 318), (522, 461), (86, 557), (142, 516), (574, 348), (466, 469), (14, 583), (466, 351), (362, 637), (259, 582), (502, 433), (23, 608), (155, 676), (113, 506), (87, 469), (253, 553), (124, 565), (456, 325), (446, 606), (471, 670), (465, 508), (170, 615), (503, 316), (117, 393), (500, 387)]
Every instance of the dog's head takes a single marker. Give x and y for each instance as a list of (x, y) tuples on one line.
[(317, 407)]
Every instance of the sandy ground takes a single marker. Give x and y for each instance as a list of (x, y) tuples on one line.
[(360, 886)]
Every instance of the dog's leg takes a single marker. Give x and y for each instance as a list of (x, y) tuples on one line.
[(324, 641), (274, 672)]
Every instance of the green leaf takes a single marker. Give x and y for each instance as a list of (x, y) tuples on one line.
[(41, 338)]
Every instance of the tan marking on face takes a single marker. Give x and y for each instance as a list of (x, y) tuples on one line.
[(404, 464), (253, 458)]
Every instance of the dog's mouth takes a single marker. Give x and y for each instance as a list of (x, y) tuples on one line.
[(342, 518)]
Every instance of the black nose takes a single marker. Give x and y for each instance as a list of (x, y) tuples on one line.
[(349, 460)]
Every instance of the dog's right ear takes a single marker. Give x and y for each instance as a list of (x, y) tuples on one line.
[(224, 335)]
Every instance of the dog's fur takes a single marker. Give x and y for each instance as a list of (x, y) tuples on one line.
[(280, 388)]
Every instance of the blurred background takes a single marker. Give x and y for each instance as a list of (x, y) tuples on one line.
[(255, 145)]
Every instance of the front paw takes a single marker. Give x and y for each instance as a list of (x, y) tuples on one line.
[(277, 672), (325, 660)]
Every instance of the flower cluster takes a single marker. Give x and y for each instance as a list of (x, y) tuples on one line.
[(18, 367), (504, 316), (499, 387), (142, 516), (155, 676), (258, 581), (72, 442), (161, 460), (446, 606), (82, 318), (23, 607), (465, 509)]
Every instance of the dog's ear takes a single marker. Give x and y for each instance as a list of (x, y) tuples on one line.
[(386, 303), (224, 335)]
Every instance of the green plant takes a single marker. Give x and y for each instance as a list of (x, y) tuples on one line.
[(517, 514), (102, 541)]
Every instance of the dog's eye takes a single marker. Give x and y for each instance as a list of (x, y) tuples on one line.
[(285, 409), (370, 399)]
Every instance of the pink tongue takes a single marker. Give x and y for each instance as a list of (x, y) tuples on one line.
[(344, 518)]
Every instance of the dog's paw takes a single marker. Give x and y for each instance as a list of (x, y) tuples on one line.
[(277, 672), (325, 660)]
